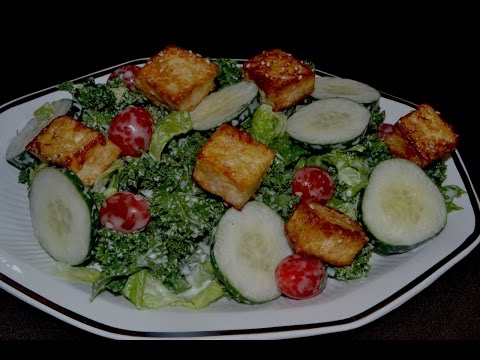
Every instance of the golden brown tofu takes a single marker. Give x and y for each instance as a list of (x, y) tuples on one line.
[(422, 137), (283, 80), (326, 233), (232, 165), (68, 143), (177, 78)]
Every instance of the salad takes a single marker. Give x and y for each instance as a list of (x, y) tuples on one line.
[(164, 257)]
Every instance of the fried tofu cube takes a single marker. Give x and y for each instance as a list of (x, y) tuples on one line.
[(283, 80), (68, 143), (232, 165), (177, 78), (321, 231), (422, 137)]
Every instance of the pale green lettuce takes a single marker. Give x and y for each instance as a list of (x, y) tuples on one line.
[(76, 273), (267, 124), (146, 292), (50, 110), (175, 123)]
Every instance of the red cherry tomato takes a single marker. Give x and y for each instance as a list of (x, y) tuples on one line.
[(383, 130), (131, 130), (125, 212), (313, 183), (127, 73), (300, 277)]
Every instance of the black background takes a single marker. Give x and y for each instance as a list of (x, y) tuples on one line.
[(423, 56)]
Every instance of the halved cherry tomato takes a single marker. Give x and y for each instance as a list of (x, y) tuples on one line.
[(313, 183), (125, 212), (127, 73), (300, 277), (131, 130), (383, 130)]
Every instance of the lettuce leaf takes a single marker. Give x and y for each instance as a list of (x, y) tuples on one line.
[(176, 123), (146, 292), (76, 273), (267, 124), (449, 193)]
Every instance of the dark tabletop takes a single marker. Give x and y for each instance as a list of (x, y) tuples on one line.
[(428, 65)]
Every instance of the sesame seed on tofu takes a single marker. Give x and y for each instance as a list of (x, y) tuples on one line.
[(284, 81)]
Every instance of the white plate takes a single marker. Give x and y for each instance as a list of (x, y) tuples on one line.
[(25, 269)]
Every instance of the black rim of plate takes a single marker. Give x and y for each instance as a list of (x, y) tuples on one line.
[(253, 331)]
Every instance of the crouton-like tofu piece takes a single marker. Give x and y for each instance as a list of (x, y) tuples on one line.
[(68, 143), (422, 137), (232, 165), (326, 233), (283, 80), (176, 77)]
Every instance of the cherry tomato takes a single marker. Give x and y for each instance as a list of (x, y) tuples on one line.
[(127, 73), (313, 183), (300, 277), (125, 212), (131, 130), (383, 130)]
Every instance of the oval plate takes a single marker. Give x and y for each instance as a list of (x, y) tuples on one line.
[(26, 270)]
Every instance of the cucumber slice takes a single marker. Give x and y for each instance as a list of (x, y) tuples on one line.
[(64, 215), (333, 87), (16, 154), (329, 123), (224, 105), (401, 207), (249, 244)]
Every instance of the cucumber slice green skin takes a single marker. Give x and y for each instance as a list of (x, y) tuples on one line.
[(225, 105), (248, 246), (384, 248), (231, 290), (341, 145), (388, 249), (64, 215), (247, 113), (23, 160), (401, 207), (330, 123)]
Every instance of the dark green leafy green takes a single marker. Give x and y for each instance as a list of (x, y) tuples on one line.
[(287, 150), (358, 269), (229, 72), (377, 116), (437, 171), (276, 189), (25, 176), (183, 218), (100, 102), (158, 113)]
